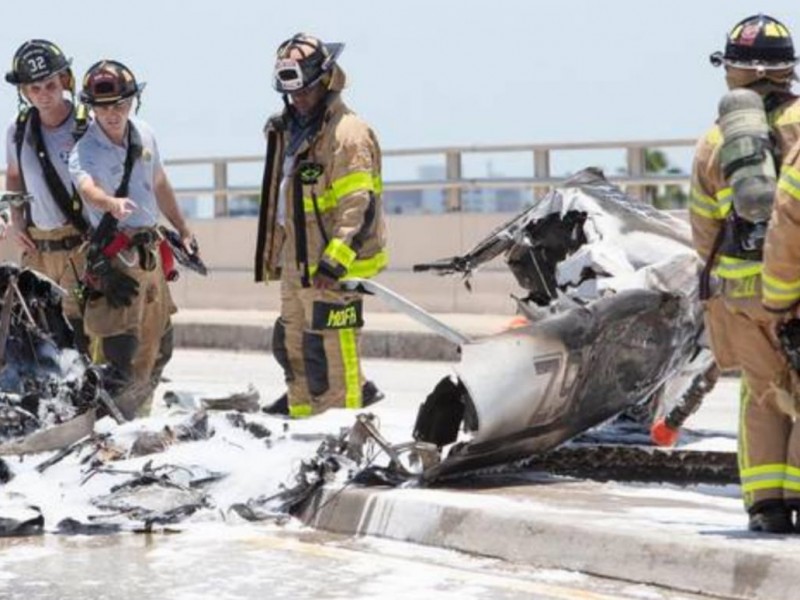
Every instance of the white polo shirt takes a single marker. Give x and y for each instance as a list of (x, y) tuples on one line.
[(96, 156), (58, 143)]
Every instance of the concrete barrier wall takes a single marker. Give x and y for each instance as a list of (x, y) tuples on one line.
[(228, 247)]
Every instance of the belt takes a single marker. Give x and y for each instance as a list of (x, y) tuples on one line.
[(59, 245)]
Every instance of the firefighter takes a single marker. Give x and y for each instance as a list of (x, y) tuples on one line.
[(117, 169), (321, 222), (743, 167), (50, 232)]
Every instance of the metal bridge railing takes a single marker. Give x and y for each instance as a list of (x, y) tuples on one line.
[(634, 179)]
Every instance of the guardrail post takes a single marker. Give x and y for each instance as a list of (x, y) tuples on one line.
[(541, 170), (636, 168), (452, 196), (220, 184)]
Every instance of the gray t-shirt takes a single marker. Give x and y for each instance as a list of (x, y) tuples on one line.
[(58, 142), (286, 181), (96, 156)]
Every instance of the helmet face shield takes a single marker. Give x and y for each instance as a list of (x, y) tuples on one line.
[(288, 76), (302, 62)]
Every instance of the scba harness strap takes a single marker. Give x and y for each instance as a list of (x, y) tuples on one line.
[(69, 203), (107, 241)]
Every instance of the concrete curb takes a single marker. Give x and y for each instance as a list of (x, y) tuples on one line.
[(530, 533), (374, 344)]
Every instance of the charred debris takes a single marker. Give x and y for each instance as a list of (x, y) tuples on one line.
[(613, 342), (44, 380)]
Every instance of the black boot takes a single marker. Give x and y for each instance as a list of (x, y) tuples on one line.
[(794, 509), (279, 407), (770, 516), (370, 394)]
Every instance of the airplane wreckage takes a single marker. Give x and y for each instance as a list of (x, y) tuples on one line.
[(611, 351)]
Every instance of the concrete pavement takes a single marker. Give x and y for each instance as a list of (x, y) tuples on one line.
[(652, 535), (694, 540), (385, 334)]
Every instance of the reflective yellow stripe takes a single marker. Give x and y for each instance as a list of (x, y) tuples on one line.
[(725, 199), (790, 189), (352, 383), (736, 268), (789, 182), (714, 137), (340, 252), (766, 484), (711, 208), (368, 267), (703, 205), (792, 481), (344, 186), (325, 202), (789, 116), (790, 171), (776, 469), (299, 411), (354, 182), (763, 477), (364, 268), (706, 206), (743, 450), (778, 290)]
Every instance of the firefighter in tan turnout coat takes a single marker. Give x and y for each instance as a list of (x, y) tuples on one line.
[(51, 232), (744, 211), (321, 223)]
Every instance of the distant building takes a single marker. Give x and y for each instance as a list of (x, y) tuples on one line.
[(243, 206), (188, 206), (432, 199), (511, 200), (403, 202), (194, 207)]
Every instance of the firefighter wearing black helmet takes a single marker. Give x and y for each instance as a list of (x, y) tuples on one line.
[(38, 143), (117, 169), (744, 211), (321, 222)]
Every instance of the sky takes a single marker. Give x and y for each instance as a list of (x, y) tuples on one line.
[(422, 72)]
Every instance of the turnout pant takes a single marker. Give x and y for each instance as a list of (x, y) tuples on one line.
[(146, 323), (742, 335), (315, 341), (60, 256)]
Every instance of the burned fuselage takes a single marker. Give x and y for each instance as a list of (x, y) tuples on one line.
[(614, 323), (44, 380)]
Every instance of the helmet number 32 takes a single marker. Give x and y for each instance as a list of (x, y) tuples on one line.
[(37, 63)]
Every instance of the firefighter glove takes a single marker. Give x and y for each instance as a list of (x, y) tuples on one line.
[(118, 288), (324, 278)]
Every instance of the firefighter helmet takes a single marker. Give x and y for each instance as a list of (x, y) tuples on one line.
[(293, 74), (757, 42), (36, 60), (109, 82)]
